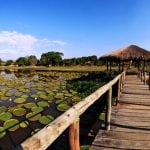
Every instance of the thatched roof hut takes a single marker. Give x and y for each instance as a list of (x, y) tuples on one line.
[(131, 52)]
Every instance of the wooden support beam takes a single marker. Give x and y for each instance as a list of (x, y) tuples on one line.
[(138, 65), (110, 63), (107, 64), (145, 78), (144, 66), (119, 66), (141, 75), (109, 104), (74, 136)]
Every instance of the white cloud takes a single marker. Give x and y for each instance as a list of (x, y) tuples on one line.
[(53, 42), (14, 44)]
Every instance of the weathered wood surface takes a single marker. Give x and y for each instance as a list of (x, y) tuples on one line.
[(130, 120)]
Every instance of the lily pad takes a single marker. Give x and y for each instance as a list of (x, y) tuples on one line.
[(19, 112), (4, 98), (9, 94), (2, 132), (46, 119), (29, 105), (34, 96), (24, 96), (11, 124), (40, 93), (63, 107), (33, 116), (24, 124), (3, 108), (59, 101), (37, 109), (68, 95), (18, 94), (43, 104), (43, 96), (20, 100), (5, 116)]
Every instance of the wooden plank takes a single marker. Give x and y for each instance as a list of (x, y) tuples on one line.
[(121, 144), (136, 136), (131, 106), (125, 129), (123, 114), (130, 122)]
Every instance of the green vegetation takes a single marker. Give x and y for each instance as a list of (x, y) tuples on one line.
[(29, 105), (3, 108), (33, 116), (19, 112), (43, 104), (11, 124), (54, 59), (46, 119), (87, 84), (24, 124), (2, 132), (20, 100), (63, 107), (85, 147), (4, 116), (37, 109)]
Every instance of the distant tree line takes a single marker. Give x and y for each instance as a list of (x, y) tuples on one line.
[(54, 59)]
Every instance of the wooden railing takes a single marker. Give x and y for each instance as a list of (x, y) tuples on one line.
[(71, 118), (145, 77)]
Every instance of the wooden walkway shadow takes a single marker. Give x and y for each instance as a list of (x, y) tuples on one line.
[(130, 119)]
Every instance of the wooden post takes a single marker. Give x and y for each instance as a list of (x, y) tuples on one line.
[(109, 104), (149, 81), (121, 83), (119, 90), (110, 65), (138, 66), (144, 66), (119, 66), (145, 78), (107, 64), (124, 75), (74, 136), (141, 75)]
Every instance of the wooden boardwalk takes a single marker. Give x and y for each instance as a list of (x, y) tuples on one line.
[(130, 119)]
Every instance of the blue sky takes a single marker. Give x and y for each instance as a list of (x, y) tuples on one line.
[(75, 27)]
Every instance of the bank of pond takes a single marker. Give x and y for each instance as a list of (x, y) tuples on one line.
[(31, 99)]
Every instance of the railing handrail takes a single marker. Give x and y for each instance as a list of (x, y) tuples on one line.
[(46, 136)]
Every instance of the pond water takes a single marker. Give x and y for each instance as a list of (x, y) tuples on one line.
[(29, 100)]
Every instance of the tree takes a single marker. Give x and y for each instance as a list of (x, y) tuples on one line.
[(1, 62), (32, 60), (51, 58), (9, 62), (22, 61)]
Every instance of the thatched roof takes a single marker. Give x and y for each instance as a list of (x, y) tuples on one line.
[(131, 52)]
